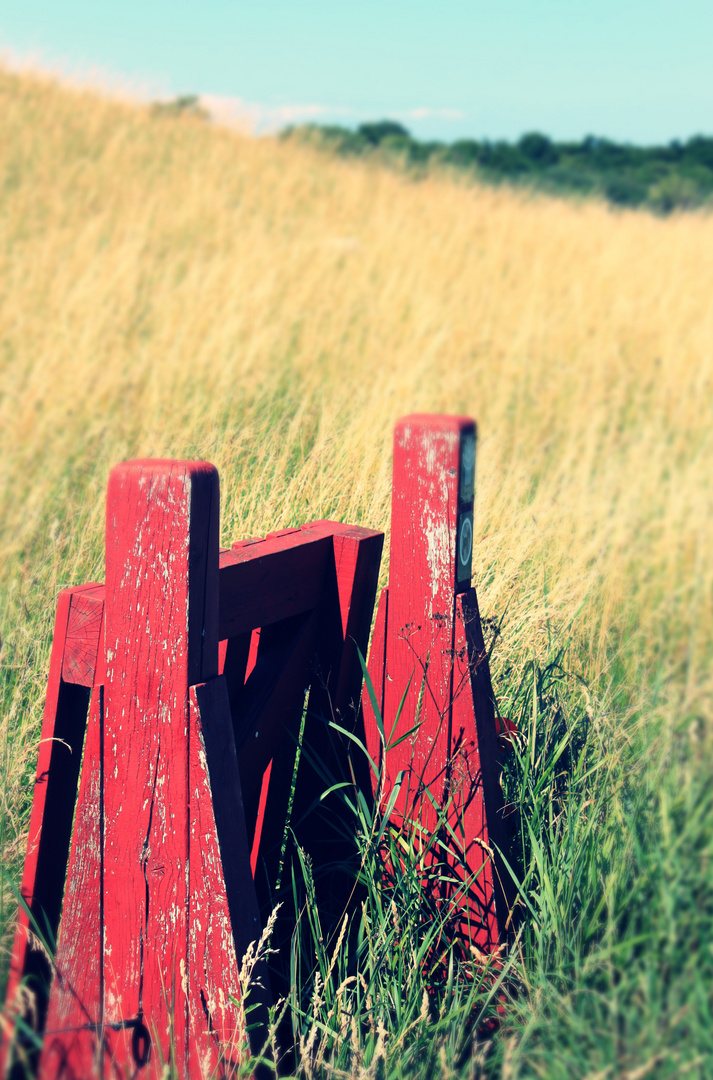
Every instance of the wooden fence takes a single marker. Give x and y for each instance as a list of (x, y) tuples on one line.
[(177, 697)]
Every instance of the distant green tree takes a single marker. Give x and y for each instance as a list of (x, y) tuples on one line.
[(503, 158), (624, 191), (376, 131), (699, 150), (400, 148), (538, 148), (674, 192), (672, 152), (464, 152)]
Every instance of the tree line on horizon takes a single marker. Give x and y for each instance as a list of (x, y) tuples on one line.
[(664, 178)]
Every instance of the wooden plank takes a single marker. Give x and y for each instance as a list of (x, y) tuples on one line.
[(422, 584), (323, 826), (357, 558), (271, 703), (58, 764), (223, 915), (84, 628), (161, 637), (265, 696), (263, 583), (73, 1042), (427, 644), (475, 781), (259, 819), (267, 712), (266, 725), (234, 653)]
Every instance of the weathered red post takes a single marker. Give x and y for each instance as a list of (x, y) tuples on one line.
[(159, 898), (428, 631)]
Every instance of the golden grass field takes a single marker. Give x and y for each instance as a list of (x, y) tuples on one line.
[(168, 288)]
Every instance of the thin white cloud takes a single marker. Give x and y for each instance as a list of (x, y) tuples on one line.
[(425, 113), (264, 119)]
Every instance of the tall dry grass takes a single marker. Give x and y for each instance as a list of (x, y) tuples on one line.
[(171, 289)]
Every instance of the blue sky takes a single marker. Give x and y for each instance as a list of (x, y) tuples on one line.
[(631, 70)]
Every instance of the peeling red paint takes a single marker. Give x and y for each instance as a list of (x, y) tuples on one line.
[(428, 631)]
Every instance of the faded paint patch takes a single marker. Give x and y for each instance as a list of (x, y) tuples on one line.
[(440, 544)]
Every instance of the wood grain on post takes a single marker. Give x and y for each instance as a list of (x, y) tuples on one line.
[(424, 641), (159, 904), (161, 637)]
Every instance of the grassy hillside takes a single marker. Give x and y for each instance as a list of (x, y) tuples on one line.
[(169, 289)]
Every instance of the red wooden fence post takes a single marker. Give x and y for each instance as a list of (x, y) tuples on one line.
[(161, 640), (161, 637), (428, 631), (159, 903)]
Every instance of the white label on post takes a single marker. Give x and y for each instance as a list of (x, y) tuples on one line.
[(465, 547)]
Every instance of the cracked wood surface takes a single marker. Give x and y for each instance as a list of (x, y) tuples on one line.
[(161, 637), (420, 636), (84, 628)]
